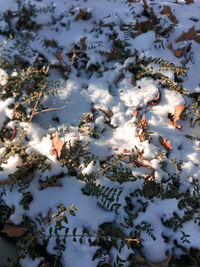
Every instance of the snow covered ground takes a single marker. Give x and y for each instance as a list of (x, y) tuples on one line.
[(140, 130)]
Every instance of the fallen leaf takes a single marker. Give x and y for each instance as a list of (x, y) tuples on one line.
[(13, 230), (133, 81), (143, 121), (47, 219), (177, 52), (58, 55), (45, 185), (177, 114), (170, 47), (167, 11), (109, 114), (135, 112), (6, 181), (141, 157), (80, 15), (83, 15), (190, 35), (165, 143), (155, 101), (121, 76), (189, 2), (145, 4), (82, 41), (57, 145), (13, 134)]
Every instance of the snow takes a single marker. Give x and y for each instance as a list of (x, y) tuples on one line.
[(95, 92)]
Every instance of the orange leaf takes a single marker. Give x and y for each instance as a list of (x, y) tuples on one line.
[(143, 121), (155, 101), (165, 143), (190, 35), (57, 145), (13, 134), (135, 112), (58, 55), (177, 113), (13, 230)]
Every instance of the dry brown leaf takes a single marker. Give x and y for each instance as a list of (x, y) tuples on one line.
[(80, 15), (165, 143), (82, 41), (190, 35), (143, 121), (58, 55), (189, 2), (13, 134), (155, 101), (6, 181), (167, 11), (46, 184), (109, 114), (133, 81), (170, 47), (177, 52), (47, 219), (57, 145), (177, 114), (13, 230), (121, 76), (145, 4)]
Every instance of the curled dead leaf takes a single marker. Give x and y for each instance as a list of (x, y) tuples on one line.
[(165, 143), (13, 134), (135, 112), (109, 114), (83, 15), (177, 114), (57, 146), (155, 101), (58, 55)]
